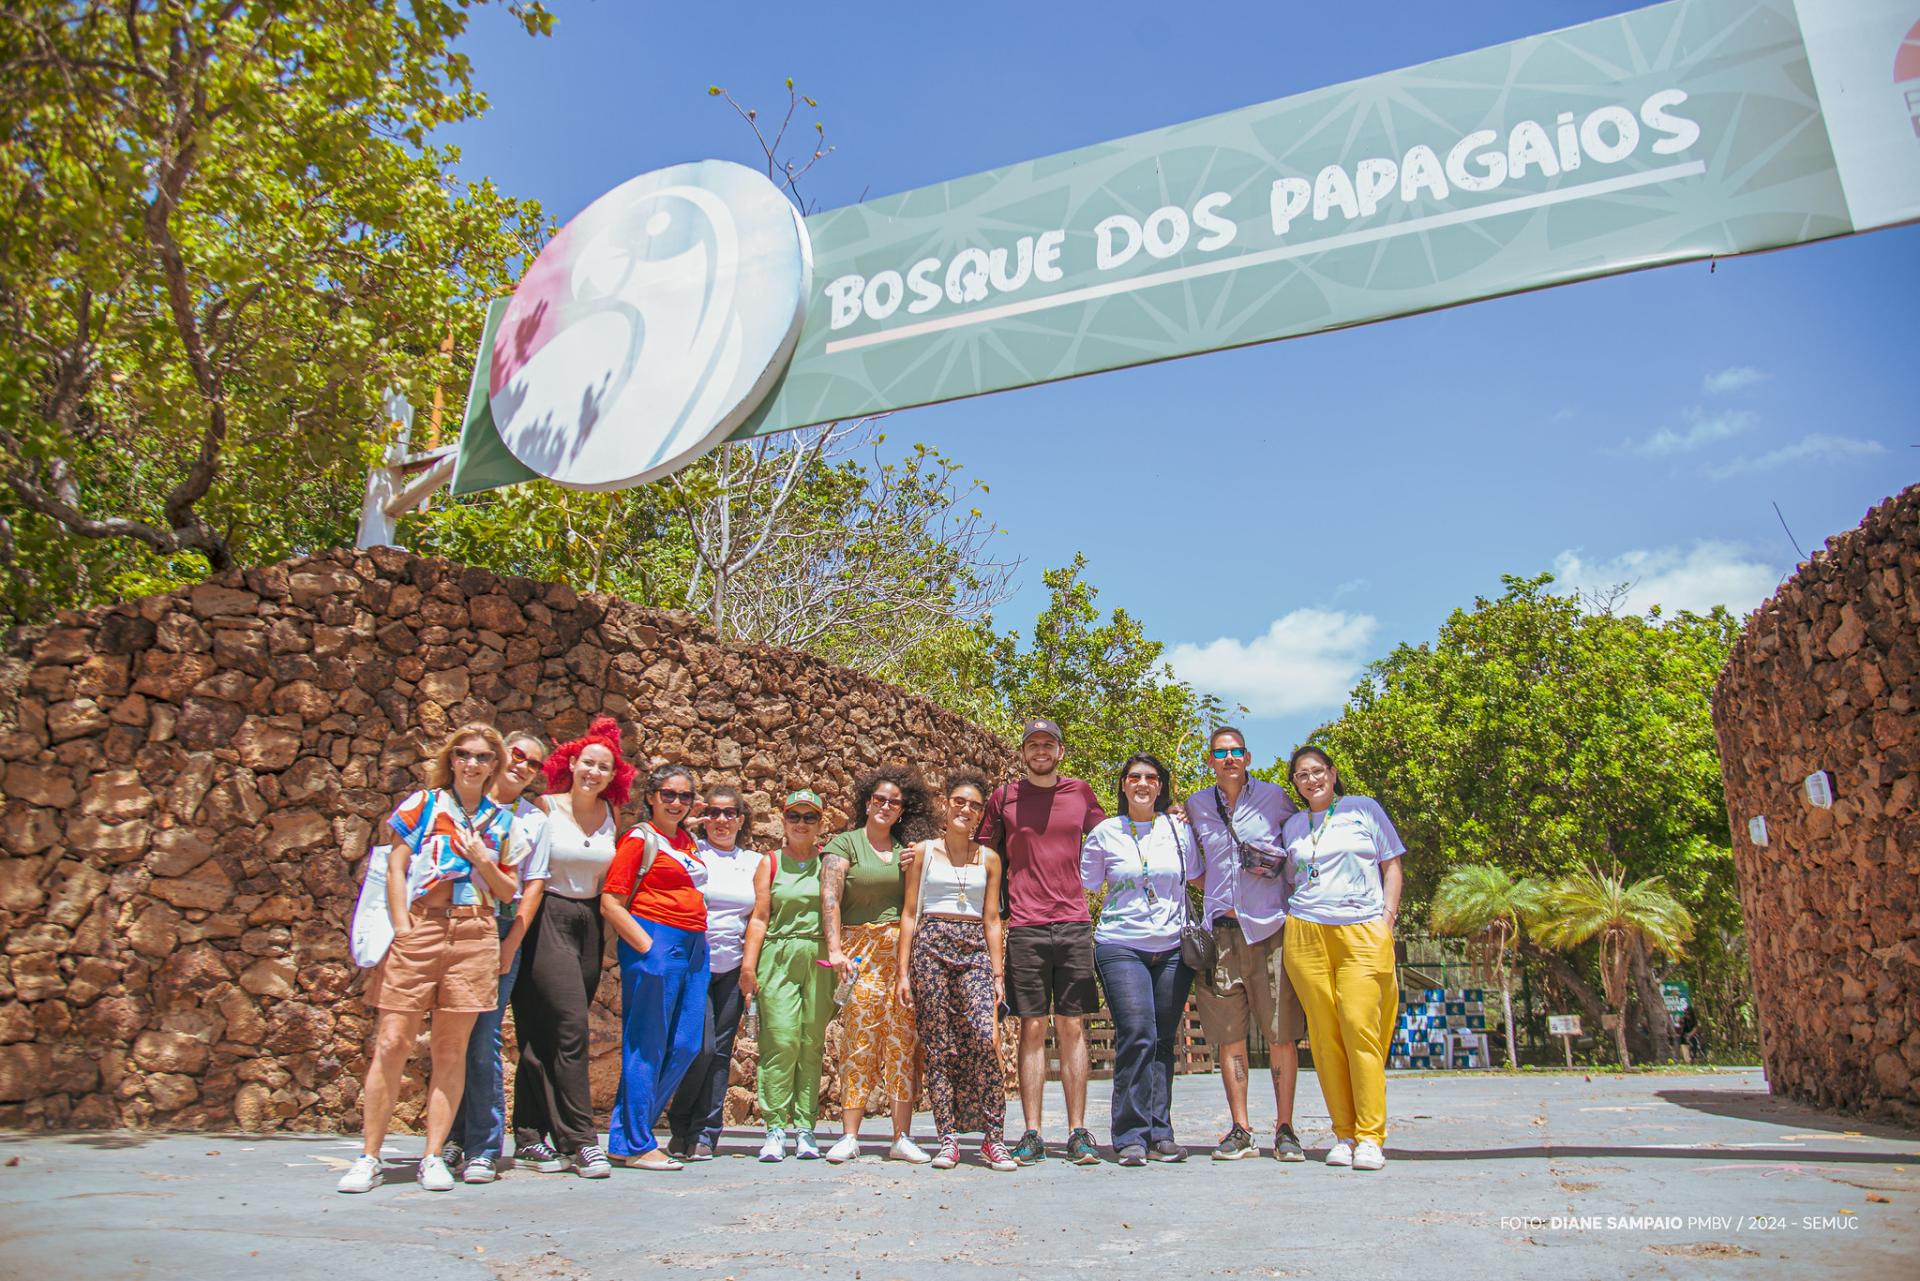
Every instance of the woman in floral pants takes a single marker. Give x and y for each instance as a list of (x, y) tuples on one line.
[(955, 977)]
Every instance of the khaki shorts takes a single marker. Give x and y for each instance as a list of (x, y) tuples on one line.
[(1249, 975), (442, 962)]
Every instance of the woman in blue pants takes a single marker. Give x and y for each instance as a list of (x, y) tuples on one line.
[(653, 902)]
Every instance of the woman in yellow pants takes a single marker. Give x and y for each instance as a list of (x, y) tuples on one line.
[(1344, 869)]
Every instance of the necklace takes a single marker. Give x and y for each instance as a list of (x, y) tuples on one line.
[(1313, 840), (1146, 884)]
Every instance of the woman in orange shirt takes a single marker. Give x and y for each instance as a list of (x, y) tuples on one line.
[(652, 901)]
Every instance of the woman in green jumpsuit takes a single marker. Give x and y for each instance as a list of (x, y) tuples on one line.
[(784, 951)]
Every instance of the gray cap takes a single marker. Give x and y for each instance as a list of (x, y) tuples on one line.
[(1041, 725)]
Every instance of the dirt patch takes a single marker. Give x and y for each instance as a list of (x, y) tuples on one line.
[(1704, 1250)]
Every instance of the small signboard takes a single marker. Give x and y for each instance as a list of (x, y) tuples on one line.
[(1678, 995), (1566, 1027)]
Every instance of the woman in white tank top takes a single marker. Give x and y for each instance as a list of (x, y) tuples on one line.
[(955, 976)]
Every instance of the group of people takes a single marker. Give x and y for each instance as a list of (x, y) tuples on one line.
[(918, 927)]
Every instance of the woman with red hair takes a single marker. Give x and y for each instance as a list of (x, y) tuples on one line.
[(553, 1129)]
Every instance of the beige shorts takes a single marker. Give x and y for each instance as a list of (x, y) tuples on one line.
[(1249, 978), (443, 962)]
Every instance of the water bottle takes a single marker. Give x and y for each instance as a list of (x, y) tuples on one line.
[(844, 993)]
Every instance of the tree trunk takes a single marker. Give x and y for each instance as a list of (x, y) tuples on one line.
[(1653, 1007), (1591, 1006), (1506, 1002), (1620, 1038)]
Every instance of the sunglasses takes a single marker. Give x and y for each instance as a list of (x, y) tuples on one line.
[(674, 798), (884, 802), (965, 803), (722, 815), (522, 757), (1311, 775), (1143, 778), (1229, 753), (465, 757), (801, 816)]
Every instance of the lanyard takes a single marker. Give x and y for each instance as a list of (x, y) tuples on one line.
[(1313, 838), (1146, 883)]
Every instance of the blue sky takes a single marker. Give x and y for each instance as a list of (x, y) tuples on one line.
[(1282, 514)]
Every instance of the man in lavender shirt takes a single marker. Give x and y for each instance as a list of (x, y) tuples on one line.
[(1237, 822)]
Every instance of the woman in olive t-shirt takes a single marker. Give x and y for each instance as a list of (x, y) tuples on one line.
[(861, 891)]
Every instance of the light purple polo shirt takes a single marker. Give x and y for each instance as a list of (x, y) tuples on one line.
[(1262, 814)]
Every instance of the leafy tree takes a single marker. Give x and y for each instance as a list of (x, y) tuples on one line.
[(1539, 733), (1106, 685), (1489, 906), (228, 233), (1625, 919)]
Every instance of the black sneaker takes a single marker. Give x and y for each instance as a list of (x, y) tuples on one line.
[(1237, 1144), (1286, 1144), (454, 1155), (1133, 1154), (541, 1157), (679, 1148), (1081, 1149), (1166, 1150), (1030, 1150)]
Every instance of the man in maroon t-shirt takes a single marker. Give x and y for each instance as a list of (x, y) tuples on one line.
[(1037, 824)]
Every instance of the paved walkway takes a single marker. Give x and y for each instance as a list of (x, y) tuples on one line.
[(1555, 1176)]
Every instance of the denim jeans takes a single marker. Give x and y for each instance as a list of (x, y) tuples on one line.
[(663, 1019), (1146, 992), (695, 1115), (480, 1126)]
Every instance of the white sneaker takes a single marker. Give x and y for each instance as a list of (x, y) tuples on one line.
[(805, 1146), (362, 1176), (847, 1149), (434, 1175), (1368, 1156), (1341, 1153), (775, 1148), (905, 1149)]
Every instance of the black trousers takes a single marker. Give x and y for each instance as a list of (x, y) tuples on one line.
[(559, 972), (699, 1104)]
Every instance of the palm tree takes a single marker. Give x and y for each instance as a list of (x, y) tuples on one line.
[(1592, 903), (1486, 904)]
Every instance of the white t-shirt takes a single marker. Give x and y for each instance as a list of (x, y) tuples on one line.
[(1335, 878), (526, 852), (1145, 871), (729, 894), (577, 860)]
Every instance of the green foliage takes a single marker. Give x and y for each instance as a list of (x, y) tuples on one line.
[(628, 543), (1540, 735), (1103, 681), (228, 234), (1472, 898)]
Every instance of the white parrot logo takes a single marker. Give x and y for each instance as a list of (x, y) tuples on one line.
[(624, 346)]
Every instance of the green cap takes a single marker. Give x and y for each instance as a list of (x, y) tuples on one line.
[(805, 796)]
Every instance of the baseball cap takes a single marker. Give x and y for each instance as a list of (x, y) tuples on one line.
[(805, 796), (1041, 725)]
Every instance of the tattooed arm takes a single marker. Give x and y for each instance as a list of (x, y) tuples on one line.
[(833, 884)]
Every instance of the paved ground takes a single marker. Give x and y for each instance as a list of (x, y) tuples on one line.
[(1701, 1175)]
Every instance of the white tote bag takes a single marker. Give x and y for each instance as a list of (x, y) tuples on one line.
[(372, 931)]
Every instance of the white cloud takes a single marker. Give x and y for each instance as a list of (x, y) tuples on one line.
[(1707, 574), (1816, 447), (1702, 429), (1730, 380), (1351, 586), (1307, 659)]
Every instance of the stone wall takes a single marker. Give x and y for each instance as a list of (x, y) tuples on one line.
[(191, 781), (1827, 677)]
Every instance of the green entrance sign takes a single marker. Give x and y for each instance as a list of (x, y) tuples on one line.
[(1677, 995), (1689, 130)]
